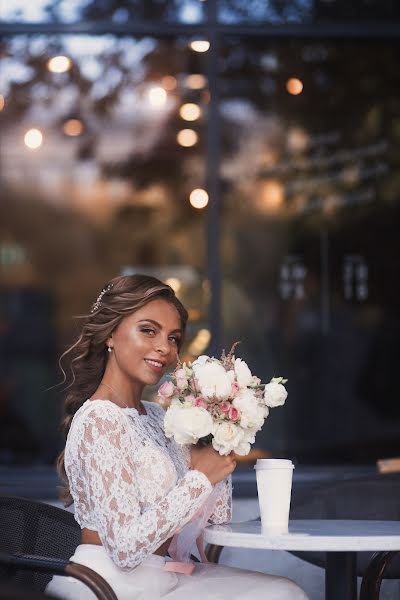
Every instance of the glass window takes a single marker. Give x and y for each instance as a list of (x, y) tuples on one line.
[(277, 12), (102, 172), (310, 217), (71, 11)]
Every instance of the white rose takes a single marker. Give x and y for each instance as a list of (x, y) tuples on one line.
[(250, 435), (275, 394), (243, 448), (213, 380), (200, 360), (251, 413), (242, 372), (227, 437), (187, 424)]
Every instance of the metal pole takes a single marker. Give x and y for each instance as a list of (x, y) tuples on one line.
[(213, 185), (341, 576), (325, 290)]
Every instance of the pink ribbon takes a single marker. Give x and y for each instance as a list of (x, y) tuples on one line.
[(179, 567), (182, 543)]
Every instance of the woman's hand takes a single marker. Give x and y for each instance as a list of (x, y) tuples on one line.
[(212, 464)]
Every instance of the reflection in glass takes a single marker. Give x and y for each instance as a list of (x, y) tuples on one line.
[(276, 12), (310, 217), (71, 11), (93, 183)]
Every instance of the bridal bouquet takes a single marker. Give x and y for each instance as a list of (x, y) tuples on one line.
[(218, 401)]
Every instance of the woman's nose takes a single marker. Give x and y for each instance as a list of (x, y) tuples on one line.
[(162, 346)]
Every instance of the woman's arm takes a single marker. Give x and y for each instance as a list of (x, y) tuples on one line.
[(222, 512), (109, 484)]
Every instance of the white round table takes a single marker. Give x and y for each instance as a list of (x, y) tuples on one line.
[(341, 540)]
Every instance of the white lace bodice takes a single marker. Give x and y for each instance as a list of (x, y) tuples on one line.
[(130, 483)]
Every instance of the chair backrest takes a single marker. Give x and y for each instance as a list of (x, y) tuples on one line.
[(15, 592), (32, 527)]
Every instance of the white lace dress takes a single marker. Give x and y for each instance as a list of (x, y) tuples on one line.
[(134, 487)]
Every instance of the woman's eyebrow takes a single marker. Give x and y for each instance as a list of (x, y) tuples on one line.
[(158, 325)]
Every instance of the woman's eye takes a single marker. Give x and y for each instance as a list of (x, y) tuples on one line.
[(175, 339), (148, 330)]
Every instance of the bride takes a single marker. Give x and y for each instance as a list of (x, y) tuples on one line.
[(133, 489)]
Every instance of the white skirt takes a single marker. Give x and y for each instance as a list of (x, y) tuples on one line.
[(149, 581)]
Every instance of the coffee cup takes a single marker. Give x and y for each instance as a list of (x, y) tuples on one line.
[(274, 487)]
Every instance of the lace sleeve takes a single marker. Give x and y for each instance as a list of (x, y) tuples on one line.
[(222, 512), (109, 485)]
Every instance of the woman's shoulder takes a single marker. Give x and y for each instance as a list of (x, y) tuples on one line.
[(97, 412), (98, 406)]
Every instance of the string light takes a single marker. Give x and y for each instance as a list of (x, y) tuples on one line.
[(168, 82), (196, 81), (190, 112), (157, 96), (33, 139), (200, 45), (294, 86), (272, 196), (200, 342), (187, 138), (175, 283), (59, 64), (198, 198), (73, 127)]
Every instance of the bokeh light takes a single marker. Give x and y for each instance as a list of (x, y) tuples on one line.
[(168, 83), (33, 138), (200, 45), (200, 342), (198, 198), (175, 283), (272, 196), (294, 86), (59, 64), (73, 127), (157, 96), (187, 138), (190, 112), (196, 81)]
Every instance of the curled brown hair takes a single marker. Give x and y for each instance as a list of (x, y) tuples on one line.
[(88, 355)]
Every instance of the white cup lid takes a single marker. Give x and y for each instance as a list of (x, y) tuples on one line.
[(273, 463)]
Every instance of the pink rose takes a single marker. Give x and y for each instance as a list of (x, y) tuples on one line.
[(224, 407), (233, 414), (235, 388), (181, 379), (200, 402), (166, 390)]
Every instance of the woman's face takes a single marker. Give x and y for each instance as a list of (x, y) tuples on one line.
[(145, 343)]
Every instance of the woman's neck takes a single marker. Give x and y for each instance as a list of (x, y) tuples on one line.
[(121, 391)]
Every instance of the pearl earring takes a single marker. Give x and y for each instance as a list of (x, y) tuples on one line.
[(109, 349)]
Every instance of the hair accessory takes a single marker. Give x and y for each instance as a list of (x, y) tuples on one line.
[(97, 304)]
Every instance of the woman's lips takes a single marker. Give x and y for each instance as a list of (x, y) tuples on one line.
[(156, 365)]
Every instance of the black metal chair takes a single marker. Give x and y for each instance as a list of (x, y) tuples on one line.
[(375, 572), (36, 541), (11, 591)]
